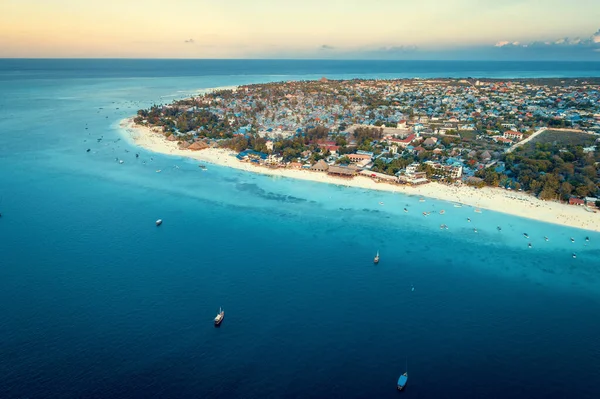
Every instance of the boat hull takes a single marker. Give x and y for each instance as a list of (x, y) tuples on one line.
[(218, 323)]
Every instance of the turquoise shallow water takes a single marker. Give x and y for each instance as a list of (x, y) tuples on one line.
[(98, 302)]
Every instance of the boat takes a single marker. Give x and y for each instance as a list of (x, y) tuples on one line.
[(572, 239), (157, 170), (545, 238), (499, 228), (442, 212), (376, 260), (529, 245), (405, 210), (587, 239), (381, 203), (457, 205), (421, 199), (402, 381), (158, 222), (478, 210), (219, 317), (574, 256), (443, 226), (525, 235), (202, 166)]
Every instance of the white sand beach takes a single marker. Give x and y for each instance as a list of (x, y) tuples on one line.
[(496, 199)]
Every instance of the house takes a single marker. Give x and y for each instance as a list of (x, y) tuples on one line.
[(511, 134), (269, 145), (355, 158), (401, 124), (576, 201), (294, 165), (430, 142), (320, 166), (502, 140)]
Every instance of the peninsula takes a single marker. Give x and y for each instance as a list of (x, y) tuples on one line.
[(524, 147)]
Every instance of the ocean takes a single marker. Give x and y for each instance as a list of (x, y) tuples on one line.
[(97, 302)]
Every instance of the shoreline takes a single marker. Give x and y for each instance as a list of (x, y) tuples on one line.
[(494, 199)]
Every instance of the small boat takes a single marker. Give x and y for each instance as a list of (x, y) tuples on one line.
[(478, 210), (525, 235), (468, 219), (158, 170), (574, 256), (376, 260), (499, 228), (545, 238), (421, 199), (202, 166), (572, 239), (403, 378), (587, 239), (158, 222), (425, 213), (529, 245), (442, 212), (219, 317), (457, 205), (475, 230), (381, 203), (121, 161), (443, 227), (88, 150), (405, 210)]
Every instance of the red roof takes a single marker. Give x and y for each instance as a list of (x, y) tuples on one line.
[(576, 201)]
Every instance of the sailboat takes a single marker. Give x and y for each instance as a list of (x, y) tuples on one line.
[(219, 318), (403, 379), (376, 260)]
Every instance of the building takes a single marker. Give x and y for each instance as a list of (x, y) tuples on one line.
[(341, 171), (320, 166), (511, 134), (355, 158), (576, 201)]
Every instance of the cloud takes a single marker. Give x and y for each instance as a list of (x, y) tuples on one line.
[(397, 49), (326, 47), (189, 41), (591, 42)]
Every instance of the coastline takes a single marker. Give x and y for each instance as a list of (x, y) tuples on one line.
[(494, 199)]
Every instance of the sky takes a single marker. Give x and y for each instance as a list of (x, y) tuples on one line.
[(322, 29)]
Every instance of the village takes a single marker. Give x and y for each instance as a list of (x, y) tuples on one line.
[(400, 131)]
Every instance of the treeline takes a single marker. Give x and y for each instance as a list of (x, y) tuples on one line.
[(550, 172)]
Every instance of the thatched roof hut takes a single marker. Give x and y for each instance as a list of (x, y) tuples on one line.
[(320, 166), (197, 146)]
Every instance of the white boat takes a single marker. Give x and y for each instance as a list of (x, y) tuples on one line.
[(158, 222), (219, 317), (376, 260)]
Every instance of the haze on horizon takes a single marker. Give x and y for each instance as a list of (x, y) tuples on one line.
[(335, 29)]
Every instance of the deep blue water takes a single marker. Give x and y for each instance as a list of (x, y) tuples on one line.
[(99, 303)]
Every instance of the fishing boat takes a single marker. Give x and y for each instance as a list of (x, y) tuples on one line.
[(158, 222), (219, 317), (376, 260)]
